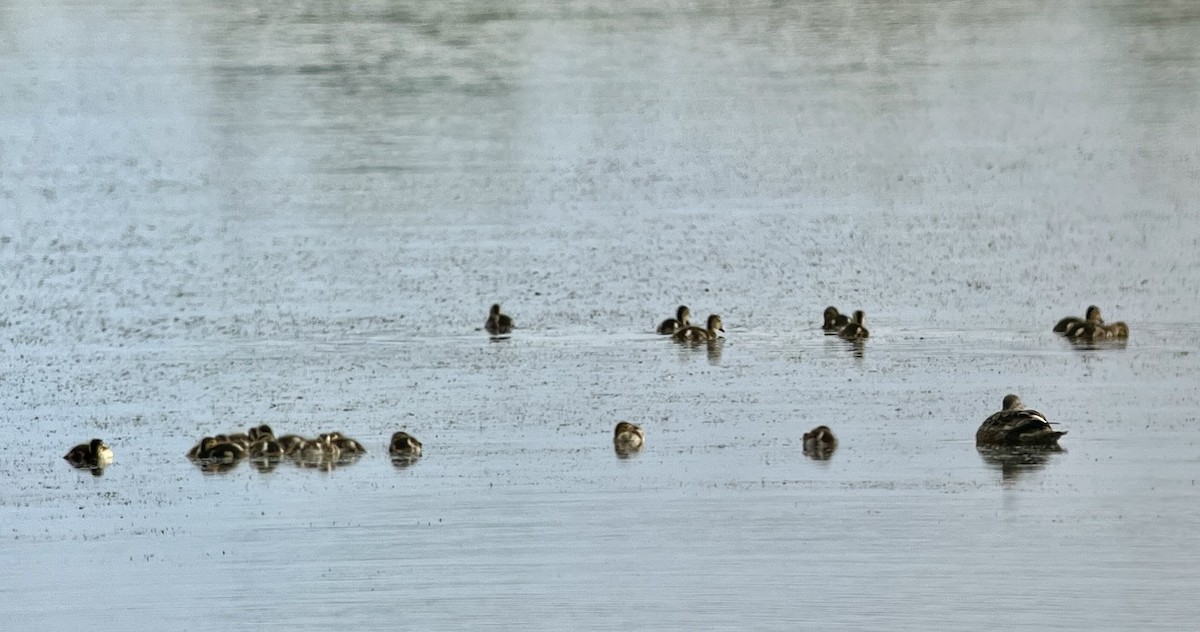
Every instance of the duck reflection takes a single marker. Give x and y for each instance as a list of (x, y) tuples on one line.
[(1015, 461)]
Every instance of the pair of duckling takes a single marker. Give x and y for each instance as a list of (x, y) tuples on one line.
[(1091, 327), (94, 455), (680, 328), (848, 327)]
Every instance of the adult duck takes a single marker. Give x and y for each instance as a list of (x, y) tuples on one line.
[(1016, 425)]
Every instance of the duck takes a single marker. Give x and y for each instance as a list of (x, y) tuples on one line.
[(1092, 315), (628, 438), (820, 442), (1016, 425), (835, 321), (93, 454), (194, 453), (1118, 330), (855, 330), (404, 445), (712, 331), (671, 325), (498, 324)]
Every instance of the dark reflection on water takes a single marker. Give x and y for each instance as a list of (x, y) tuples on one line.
[(1013, 462)]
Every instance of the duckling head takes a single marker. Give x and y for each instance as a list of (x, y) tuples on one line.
[(1011, 402), (1093, 314)]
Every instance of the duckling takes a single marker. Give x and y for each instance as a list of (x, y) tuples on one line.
[(1092, 315), (671, 325), (260, 432), (820, 442), (266, 447), (498, 324), (628, 438), (291, 443), (239, 438), (318, 450), (1016, 425), (1118, 330), (404, 445), (855, 329), (692, 333), (217, 450), (194, 453), (94, 454), (346, 445), (834, 320)]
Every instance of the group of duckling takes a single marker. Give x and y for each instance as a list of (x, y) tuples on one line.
[(1014, 426), (1091, 328), (264, 450), (681, 328)]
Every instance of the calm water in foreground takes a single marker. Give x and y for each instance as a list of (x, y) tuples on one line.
[(220, 214)]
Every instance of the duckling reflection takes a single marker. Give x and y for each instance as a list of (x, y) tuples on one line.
[(1013, 461), (714, 348), (265, 464), (628, 439), (93, 455), (820, 443)]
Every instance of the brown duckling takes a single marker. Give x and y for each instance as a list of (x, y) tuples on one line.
[(835, 321), (855, 329), (1092, 315), (217, 450), (291, 443), (820, 442), (94, 454), (404, 445), (713, 330), (266, 447), (1016, 425), (262, 431), (671, 325), (498, 324), (628, 438)]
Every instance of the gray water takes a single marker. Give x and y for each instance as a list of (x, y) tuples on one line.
[(215, 215)]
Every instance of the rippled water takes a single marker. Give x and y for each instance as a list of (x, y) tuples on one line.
[(216, 215)]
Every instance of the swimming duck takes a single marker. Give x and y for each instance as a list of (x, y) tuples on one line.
[(93, 454), (834, 320), (1092, 315), (1016, 425), (628, 438), (699, 334), (820, 442), (855, 329), (404, 445), (497, 323), (671, 325)]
